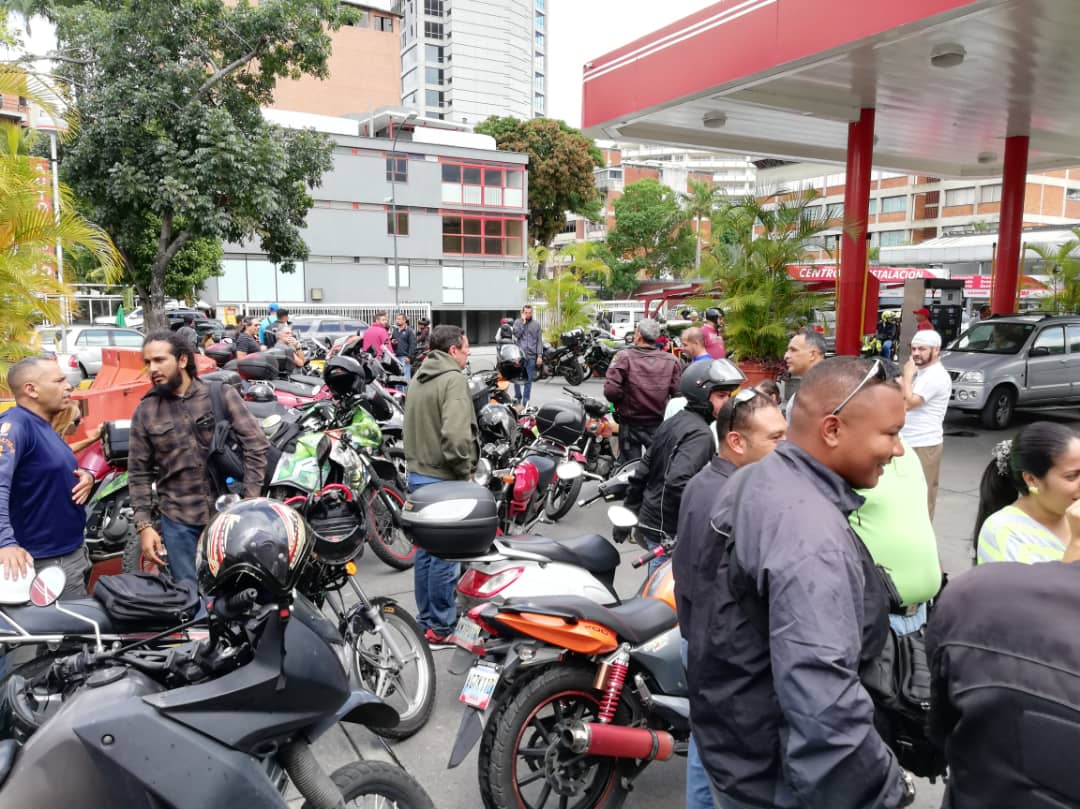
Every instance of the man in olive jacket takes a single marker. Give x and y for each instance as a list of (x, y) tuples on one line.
[(440, 444)]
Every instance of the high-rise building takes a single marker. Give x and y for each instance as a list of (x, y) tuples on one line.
[(487, 57)]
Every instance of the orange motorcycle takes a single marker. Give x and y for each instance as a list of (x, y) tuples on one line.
[(578, 698)]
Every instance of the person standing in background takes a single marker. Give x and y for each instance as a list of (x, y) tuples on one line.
[(927, 389), (404, 342), (530, 339)]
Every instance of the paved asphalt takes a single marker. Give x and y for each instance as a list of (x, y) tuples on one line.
[(967, 451)]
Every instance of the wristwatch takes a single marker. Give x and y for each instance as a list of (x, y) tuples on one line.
[(142, 525), (909, 790)]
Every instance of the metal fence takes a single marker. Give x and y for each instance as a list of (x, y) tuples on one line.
[(354, 311)]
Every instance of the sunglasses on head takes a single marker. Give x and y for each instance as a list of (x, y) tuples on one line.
[(877, 371), (742, 397)]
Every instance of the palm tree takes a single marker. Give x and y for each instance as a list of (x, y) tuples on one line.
[(565, 294), (1064, 267), (700, 203)]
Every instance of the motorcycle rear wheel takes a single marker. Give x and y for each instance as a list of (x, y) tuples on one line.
[(382, 782), (561, 497), (573, 373), (387, 541), (133, 560)]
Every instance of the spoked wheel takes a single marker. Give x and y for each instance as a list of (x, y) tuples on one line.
[(388, 541), (133, 560), (408, 684), (561, 497), (379, 785), (530, 768)]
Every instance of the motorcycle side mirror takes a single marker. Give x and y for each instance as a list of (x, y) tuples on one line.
[(569, 470), (621, 517), (47, 586), (323, 450)]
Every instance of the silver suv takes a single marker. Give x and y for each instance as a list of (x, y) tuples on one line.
[(1015, 361)]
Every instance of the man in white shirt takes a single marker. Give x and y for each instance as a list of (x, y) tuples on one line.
[(927, 388)]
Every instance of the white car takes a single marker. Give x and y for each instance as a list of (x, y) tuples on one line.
[(79, 351)]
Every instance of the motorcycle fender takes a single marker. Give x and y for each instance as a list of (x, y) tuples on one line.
[(661, 656), (113, 483), (361, 708), (469, 732)]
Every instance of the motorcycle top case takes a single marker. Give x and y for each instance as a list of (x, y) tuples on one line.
[(221, 353), (261, 366), (572, 338), (114, 441), (562, 420), (452, 520)]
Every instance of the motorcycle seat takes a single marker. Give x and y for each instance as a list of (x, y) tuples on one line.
[(304, 379), (261, 410), (298, 389), (50, 621), (590, 551), (636, 620), (545, 466)]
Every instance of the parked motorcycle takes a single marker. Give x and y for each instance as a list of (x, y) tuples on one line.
[(597, 442), (567, 359), (598, 356), (131, 726)]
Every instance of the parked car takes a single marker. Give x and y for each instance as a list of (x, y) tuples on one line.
[(80, 353), (325, 326), (203, 326), (134, 319), (823, 322), (619, 324), (1004, 363)]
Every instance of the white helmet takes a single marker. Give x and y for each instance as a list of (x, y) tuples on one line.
[(16, 590)]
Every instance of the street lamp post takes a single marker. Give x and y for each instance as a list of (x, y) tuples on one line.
[(393, 203)]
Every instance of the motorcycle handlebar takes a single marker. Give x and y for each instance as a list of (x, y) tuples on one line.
[(235, 605), (645, 558)]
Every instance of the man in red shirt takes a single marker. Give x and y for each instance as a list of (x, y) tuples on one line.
[(922, 319), (377, 334), (713, 331)]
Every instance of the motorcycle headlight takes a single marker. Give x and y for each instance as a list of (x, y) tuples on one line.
[(482, 475), (972, 376)]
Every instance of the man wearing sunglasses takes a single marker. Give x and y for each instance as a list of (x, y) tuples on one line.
[(786, 605)]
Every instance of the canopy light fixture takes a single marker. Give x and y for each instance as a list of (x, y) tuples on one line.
[(950, 54), (714, 120), (986, 157)]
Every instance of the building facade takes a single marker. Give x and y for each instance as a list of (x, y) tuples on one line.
[(488, 57), (364, 68), (461, 230)]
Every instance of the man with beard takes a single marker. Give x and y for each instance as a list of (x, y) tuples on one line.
[(927, 389), (786, 605), (171, 433)]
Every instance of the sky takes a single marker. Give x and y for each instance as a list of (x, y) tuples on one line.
[(581, 30)]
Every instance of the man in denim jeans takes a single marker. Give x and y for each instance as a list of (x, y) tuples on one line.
[(530, 339), (440, 444)]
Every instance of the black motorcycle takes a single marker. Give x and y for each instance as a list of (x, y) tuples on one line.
[(597, 356), (566, 359)]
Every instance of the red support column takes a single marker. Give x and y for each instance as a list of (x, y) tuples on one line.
[(1013, 185), (852, 287)]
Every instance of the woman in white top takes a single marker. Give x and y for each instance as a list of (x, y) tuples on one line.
[(1029, 498)]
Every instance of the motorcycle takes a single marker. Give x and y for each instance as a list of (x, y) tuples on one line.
[(578, 697), (596, 443), (597, 356), (566, 360), (131, 726)]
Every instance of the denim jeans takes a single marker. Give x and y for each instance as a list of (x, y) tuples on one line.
[(530, 370), (698, 789), (407, 366), (906, 624), (180, 543), (434, 580)]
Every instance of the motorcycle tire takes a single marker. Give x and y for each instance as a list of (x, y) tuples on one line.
[(133, 561), (574, 374), (373, 660), (514, 747), (561, 498), (387, 541), (382, 779)]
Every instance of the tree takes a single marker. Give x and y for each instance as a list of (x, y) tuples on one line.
[(1063, 266), (700, 204), (561, 163), (565, 294), (651, 225), (170, 129)]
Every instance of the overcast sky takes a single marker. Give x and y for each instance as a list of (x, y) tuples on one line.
[(581, 30)]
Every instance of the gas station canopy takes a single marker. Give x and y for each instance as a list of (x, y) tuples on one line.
[(949, 80)]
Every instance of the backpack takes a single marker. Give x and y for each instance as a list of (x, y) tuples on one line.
[(152, 602), (226, 456)]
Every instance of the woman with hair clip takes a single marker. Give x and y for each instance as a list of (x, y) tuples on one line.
[(1029, 498)]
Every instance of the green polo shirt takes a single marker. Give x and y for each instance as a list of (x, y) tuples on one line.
[(894, 522)]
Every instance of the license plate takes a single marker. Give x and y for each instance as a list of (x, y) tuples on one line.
[(466, 633), (479, 685)]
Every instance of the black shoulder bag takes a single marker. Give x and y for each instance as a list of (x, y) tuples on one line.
[(226, 456)]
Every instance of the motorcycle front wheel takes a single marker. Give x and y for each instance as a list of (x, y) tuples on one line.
[(573, 373), (379, 784), (561, 497), (388, 541)]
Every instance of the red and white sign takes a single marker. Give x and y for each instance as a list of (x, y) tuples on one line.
[(886, 275), (978, 286)]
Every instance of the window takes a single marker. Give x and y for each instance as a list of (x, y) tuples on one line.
[(409, 57), (1052, 339), (397, 169), (433, 75), (464, 184), (129, 339), (1072, 194), (539, 21), (539, 41), (384, 23), (329, 326), (433, 98), (93, 338), (873, 206), (433, 7), (891, 238), (362, 20), (402, 276), (960, 196), (410, 81), (1074, 339), (835, 211), (538, 59), (433, 30), (403, 223), (894, 204), (990, 193), (538, 102), (453, 285), (483, 236), (433, 54), (540, 4), (538, 82)]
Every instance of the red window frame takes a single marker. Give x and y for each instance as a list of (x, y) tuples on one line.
[(504, 169), (485, 237)]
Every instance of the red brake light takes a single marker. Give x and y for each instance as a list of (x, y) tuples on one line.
[(477, 584), (819, 329), (475, 614), (73, 361)]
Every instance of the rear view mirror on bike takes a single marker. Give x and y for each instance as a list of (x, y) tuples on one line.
[(47, 586)]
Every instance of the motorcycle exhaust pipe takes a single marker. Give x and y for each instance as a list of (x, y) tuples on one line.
[(615, 741)]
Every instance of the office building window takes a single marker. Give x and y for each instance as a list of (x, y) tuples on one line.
[(891, 238), (539, 21), (538, 102), (960, 196), (540, 5), (402, 275), (453, 285), (873, 206), (434, 75), (464, 184), (384, 23), (433, 54), (894, 204), (410, 81), (1072, 194), (539, 41), (397, 169), (433, 98), (363, 20), (433, 30), (483, 236), (409, 57), (402, 223), (835, 211), (538, 82), (990, 193), (433, 7), (539, 61)]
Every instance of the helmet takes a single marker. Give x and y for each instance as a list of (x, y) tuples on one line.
[(496, 422), (713, 314), (346, 375), (262, 392), (16, 590), (511, 363), (257, 542), (701, 378), (338, 522)]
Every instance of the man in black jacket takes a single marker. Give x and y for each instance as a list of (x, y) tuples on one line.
[(404, 341), (787, 605), (681, 447)]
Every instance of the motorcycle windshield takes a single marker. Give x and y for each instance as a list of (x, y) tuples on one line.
[(300, 468), (364, 430)]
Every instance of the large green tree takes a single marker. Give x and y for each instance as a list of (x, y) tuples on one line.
[(561, 163), (1062, 264), (168, 97), (651, 226)]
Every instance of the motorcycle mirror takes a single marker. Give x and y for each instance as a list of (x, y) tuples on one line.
[(323, 450), (569, 470), (225, 501), (621, 517), (482, 475), (47, 586)]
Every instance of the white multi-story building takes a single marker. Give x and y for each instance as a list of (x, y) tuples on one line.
[(466, 60)]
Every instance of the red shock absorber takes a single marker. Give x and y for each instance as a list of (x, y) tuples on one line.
[(613, 687)]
